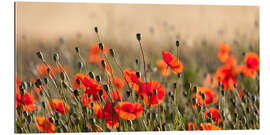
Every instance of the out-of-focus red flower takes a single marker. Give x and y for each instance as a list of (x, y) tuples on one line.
[(153, 92), (210, 97), (45, 125), (192, 126), (209, 126), (116, 95), (26, 101), (226, 75), (119, 83), (111, 117), (95, 105), (91, 86), (57, 105), (224, 50), (132, 79), (231, 61), (95, 54), (42, 70), (129, 110), (77, 80), (240, 92), (213, 115), (165, 71), (175, 64), (252, 64)]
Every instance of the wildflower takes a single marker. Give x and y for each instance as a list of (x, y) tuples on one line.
[(224, 50), (77, 80), (59, 106), (209, 126), (91, 86), (95, 54), (175, 64), (129, 110), (89, 102), (112, 118), (45, 125), (226, 75), (132, 79), (213, 114), (205, 96), (153, 92), (119, 83), (192, 126), (25, 100), (252, 64), (164, 68)]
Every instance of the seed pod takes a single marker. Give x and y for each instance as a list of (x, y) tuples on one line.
[(98, 78), (76, 92), (139, 36), (177, 43), (101, 46), (138, 74), (92, 75), (40, 55), (56, 57), (112, 52), (45, 79), (77, 49)]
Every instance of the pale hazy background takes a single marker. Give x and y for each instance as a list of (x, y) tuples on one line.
[(159, 24)]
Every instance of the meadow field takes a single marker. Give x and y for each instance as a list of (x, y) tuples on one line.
[(84, 67)]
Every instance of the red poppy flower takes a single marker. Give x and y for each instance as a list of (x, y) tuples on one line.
[(95, 54), (231, 61), (129, 110), (213, 114), (42, 70), (26, 101), (224, 50), (45, 125), (79, 77), (116, 95), (175, 64), (165, 71), (91, 86), (209, 126), (119, 83), (210, 97), (112, 118), (148, 92), (59, 106), (252, 64), (226, 75), (192, 126), (132, 79)]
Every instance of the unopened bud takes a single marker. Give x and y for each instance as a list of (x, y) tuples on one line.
[(177, 43), (139, 36), (96, 29), (80, 65), (92, 75), (40, 55), (78, 81), (136, 61), (138, 74), (77, 49), (62, 76), (98, 78), (223, 92), (45, 79), (106, 87), (76, 92), (56, 57), (103, 64), (64, 84), (101, 46), (112, 52)]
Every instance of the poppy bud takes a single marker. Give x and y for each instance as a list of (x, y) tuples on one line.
[(77, 49), (56, 57), (235, 115), (112, 52), (100, 93), (179, 75), (92, 104), (202, 95), (199, 108), (136, 61), (174, 85), (38, 83), (243, 120), (45, 79), (40, 55), (164, 126), (223, 92), (248, 110), (253, 98), (80, 65), (177, 43), (23, 85), (64, 84), (62, 76), (30, 84), (185, 93), (92, 75), (106, 87), (128, 92), (139, 36), (195, 89), (194, 101), (103, 64), (25, 114), (155, 92), (98, 78), (76, 92), (78, 81), (51, 119), (29, 118), (235, 85), (138, 74), (101, 46), (222, 86), (209, 115), (170, 93), (96, 29)]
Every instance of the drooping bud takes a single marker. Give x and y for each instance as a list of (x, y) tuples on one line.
[(138, 74), (40, 55), (139, 36), (62, 76), (101, 46), (112, 52), (77, 49), (177, 43), (103, 64), (96, 29), (92, 75), (56, 57), (80, 65)]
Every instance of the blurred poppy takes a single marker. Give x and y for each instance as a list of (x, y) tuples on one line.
[(116, 95), (175, 64), (224, 50), (226, 75), (192, 126), (91, 86), (132, 79), (205, 96), (77, 80), (26, 101), (209, 126), (112, 118), (95, 54), (165, 71), (153, 92), (213, 115), (45, 125), (129, 110), (59, 106), (231, 61), (42, 70), (119, 83), (252, 64)]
